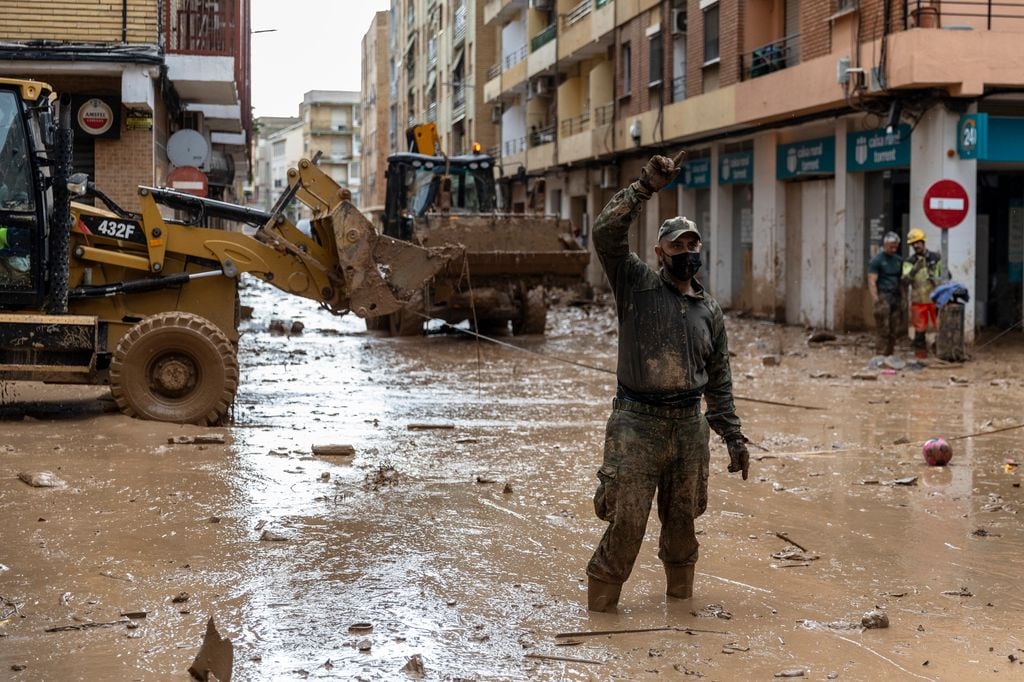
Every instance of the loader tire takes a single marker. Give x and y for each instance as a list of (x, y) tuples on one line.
[(534, 315), (175, 367)]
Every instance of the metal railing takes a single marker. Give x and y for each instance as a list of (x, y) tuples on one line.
[(432, 51), (771, 57), (513, 58), (432, 112), (932, 14), (513, 146), (576, 124), (494, 71), (543, 38), (604, 114), (577, 13), (543, 135), (679, 88), (201, 28)]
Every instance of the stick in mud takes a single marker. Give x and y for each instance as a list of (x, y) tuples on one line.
[(786, 538), (545, 657), (86, 626), (669, 628)]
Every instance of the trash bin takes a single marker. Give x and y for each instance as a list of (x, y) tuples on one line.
[(949, 342)]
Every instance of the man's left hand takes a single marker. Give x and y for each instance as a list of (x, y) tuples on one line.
[(739, 455)]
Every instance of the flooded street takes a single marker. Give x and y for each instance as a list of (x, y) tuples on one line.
[(464, 538)]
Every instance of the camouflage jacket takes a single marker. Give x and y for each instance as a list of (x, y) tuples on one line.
[(669, 344)]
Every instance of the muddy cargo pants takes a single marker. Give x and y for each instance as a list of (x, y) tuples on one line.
[(888, 323), (650, 450)]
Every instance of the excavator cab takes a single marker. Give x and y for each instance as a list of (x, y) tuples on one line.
[(26, 204)]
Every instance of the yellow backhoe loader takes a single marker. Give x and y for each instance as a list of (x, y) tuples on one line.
[(149, 304)]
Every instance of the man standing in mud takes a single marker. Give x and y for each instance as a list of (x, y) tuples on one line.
[(884, 273), (672, 351)]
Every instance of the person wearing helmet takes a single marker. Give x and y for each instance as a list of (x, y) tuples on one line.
[(922, 272), (884, 273), (673, 353)]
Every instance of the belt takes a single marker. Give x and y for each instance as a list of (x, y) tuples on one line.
[(656, 410)]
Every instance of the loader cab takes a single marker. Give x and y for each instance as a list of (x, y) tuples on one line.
[(25, 201), (417, 186)]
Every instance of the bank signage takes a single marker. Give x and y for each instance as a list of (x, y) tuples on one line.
[(870, 150), (696, 174), (972, 136), (736, 168), (806, 158)]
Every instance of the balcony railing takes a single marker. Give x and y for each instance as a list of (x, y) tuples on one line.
[(679, 88), (577, 124), (494, 71), (513, 58), (543, 135), (543, 38), (774, 56), (604, 114), (1001, 13), (577, 13), (432, 51), (202, 28), (511, 147), (432, 111)]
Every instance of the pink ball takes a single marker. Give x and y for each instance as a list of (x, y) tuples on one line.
[(937, 452)]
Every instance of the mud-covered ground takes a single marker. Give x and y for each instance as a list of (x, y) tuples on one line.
[(467, 545)]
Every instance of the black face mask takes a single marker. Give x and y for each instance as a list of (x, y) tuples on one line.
[(682, 266)]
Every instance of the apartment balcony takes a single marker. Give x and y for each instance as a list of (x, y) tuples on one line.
[(771, 57), (431, 112), (492, 88), (513, 154), (679, 88), (458, 102), (540, 157), (542, 51), (575, 32), (202, 41), (500, 11), (575, 125), (459, 25)]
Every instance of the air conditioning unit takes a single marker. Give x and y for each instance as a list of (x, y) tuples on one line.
[(678, 22), (496, 114)]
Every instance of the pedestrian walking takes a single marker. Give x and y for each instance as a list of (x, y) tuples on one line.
[(672, 352), (885, 271), (922, 272)]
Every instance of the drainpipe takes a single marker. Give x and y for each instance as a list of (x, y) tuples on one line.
[(124, 22)]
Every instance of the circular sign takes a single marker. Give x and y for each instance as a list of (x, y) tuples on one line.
[(95, 116), (190, 180), (188, 148), (946, 204)]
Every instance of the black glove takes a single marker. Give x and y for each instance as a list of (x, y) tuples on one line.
[(660, 171), (739, 456)]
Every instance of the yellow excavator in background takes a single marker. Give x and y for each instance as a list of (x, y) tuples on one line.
[(149, 304)]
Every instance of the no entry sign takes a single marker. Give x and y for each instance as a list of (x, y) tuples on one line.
[(190, 180), (946, 204)]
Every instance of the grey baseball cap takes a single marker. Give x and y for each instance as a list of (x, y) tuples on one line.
[(674, 228)]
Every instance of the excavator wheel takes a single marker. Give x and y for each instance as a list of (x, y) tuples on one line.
[(534, 316), (175, 367)]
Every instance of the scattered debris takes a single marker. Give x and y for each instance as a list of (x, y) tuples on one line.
[(361, 628), (864, 376), (907, 480), (334, 450), (135, 614), (569, 659), (821, 337), (281, 327), (41, 479), (245, 312), (507, 490), (982, 533), (962, 592), (668, 628), (270, 536), (712, 611), (822, 375), (467, 440), (786, 538), (216, 655), (209, 439), (386, 474), (794, 554), (733, 648), (428, 427), (484, 481), (791, 673), (414, 666), (873, 620), (88, 625), (325, 476), (180, 598), (127, 577), (902, 440), (771, 360), (364, 645)]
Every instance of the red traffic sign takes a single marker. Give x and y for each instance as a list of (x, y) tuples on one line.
[(946, 204), (189, 179)]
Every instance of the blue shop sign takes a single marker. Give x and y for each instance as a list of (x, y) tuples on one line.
[(736, 168), (972, 136), (870, 150), (809, 157), (696, 174)]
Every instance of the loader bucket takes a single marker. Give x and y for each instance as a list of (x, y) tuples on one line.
[(381, 273)]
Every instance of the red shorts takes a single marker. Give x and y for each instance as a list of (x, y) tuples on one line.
[(922, 316)]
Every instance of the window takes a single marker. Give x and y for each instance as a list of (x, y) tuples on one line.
[(655, 63), (711, 52), (279, 149), (627, 70)]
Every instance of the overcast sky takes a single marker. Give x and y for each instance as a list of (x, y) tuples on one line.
[(316, 47)]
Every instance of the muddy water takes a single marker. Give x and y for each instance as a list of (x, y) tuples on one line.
[(446, 564)]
